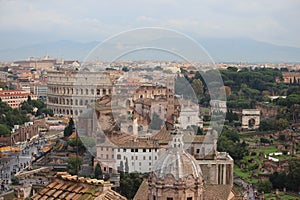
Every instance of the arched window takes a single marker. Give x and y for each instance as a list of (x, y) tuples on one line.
[(251, 123)]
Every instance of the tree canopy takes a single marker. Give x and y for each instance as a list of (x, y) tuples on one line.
[(98, 172), (10, 117)]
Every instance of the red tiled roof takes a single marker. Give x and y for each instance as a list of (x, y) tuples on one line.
[(70, 187)]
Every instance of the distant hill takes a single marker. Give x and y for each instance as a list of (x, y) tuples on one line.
[(68, 50), (221, 50), (248, 50)]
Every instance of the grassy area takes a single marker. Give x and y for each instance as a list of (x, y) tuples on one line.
[(267, 149), (282, 196), (283, 157), (246, 176), (250, 139)]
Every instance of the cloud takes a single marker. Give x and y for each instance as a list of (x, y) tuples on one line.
[(272, 21)]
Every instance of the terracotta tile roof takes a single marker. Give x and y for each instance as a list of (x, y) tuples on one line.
[(110, 195), (216, 192), (70, 187), (142, 192), (198, 139), (162, 136)]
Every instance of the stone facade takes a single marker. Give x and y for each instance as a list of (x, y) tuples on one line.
[(189, 115), (267, 111), (69, 92), (177, 175), (26, 132), (250, 119), (218, 171), (15, 97), (290, 77)]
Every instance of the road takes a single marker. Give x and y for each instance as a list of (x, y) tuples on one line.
[(248, 189), (9, 166)]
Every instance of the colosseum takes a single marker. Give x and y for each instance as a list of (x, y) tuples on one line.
[(69, 92)]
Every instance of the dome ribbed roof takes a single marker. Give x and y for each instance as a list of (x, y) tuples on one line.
[(177, 161)]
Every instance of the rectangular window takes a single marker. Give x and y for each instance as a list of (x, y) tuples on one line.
[(169, 198), (124, 150), (136, 150), (189, 198), (198, 151), (144, 150), (119, 156), (132, 150)]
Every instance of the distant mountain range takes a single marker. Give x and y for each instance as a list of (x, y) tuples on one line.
[(221, 50)]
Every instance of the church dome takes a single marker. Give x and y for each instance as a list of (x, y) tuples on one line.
[(177, 161)]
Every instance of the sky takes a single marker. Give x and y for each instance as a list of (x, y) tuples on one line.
[(27, 22)]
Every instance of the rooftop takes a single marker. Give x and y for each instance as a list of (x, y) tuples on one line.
[(66, 186)]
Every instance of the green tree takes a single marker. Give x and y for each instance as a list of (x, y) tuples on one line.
[(47, 111), (293, 177), (74, 164), (265, 187), (126, 166), (282, 124), (229, 141), (282, 137), (25, 106), (121, 169), (70, 128), (197, 87), (4, 130), (125, 69), (98, 172), (81, 147), (29, 99), (11, 117), (129, 184), (278, 180)]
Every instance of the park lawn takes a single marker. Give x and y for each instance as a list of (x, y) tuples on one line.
[(282, 196)]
